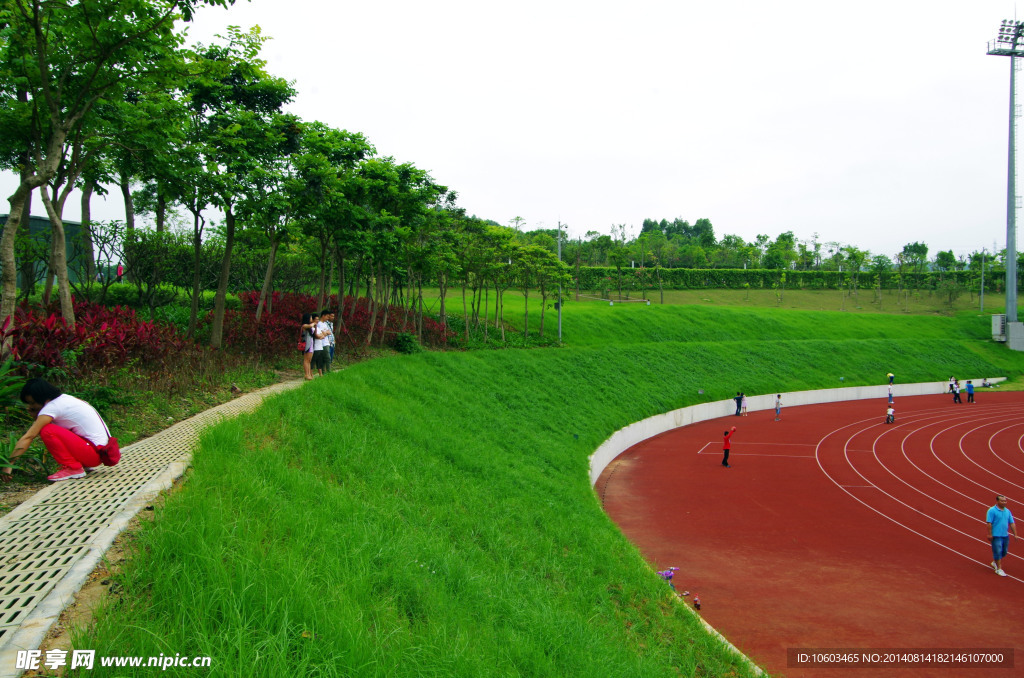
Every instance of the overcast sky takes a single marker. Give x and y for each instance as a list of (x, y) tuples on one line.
[(875, 123)]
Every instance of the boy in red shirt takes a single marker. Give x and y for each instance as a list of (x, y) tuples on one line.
[(726, 444)]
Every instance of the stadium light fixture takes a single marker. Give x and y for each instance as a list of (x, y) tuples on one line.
[(1009, 43)]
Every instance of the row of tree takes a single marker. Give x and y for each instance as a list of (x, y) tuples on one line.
[(103, 93)]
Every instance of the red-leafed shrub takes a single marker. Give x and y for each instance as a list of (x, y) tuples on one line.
[(101, 338), (278, 328)]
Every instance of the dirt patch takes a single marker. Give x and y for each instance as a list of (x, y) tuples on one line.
[(14, 493)]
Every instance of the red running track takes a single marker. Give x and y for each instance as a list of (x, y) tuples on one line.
[(835, 530)]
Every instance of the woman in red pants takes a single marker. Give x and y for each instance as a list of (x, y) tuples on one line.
[(71, 429)]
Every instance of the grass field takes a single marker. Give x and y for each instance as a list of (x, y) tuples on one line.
[(430, 515)]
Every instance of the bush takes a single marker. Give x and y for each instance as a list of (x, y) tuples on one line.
[(405, 342), (102, 338)]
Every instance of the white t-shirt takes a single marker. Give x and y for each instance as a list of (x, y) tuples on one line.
[(318, 342), (78, 417)]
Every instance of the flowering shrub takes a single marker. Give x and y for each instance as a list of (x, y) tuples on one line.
[(278, 329), (101, 338)]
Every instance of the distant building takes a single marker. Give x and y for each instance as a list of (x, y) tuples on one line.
[(39, 227)]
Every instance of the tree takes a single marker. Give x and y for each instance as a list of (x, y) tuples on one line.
[(945, 261), (916, 254), (236, 107), (66, 58)]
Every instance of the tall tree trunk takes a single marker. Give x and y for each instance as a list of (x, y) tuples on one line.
[(8, 270), (501, 314), (87, 244), (197, 253), (419, 311), (48, 281), (161, 210), (487, 305), (355, 277), (442, 283), (129, 203), (465, 312), (267, 278), (373, 303), (543, 303), (323, 275), (387, 311), (526, 312), (59, 261), (412, 301), (28, 264), (351, 290), (220, 299), (129, 223), (340, 256)]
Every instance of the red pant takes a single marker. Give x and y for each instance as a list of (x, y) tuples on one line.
[(69, 449)]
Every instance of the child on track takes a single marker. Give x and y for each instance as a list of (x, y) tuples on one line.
[(726, 444)]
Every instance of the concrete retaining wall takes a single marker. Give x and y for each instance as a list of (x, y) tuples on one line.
[(626, 437)]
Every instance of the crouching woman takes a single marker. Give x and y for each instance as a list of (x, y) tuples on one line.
[(71, 429)]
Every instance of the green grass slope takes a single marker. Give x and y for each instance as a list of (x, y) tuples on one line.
[(430, 515)]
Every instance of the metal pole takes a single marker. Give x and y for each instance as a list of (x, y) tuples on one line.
[(1011, 204), (559, 283)]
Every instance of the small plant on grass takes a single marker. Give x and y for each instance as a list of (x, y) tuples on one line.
[(407, 343)]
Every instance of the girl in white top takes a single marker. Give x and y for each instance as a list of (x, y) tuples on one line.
[(71, 429)]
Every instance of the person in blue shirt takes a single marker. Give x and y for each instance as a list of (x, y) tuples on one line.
[(1000, 526), (970, 391)]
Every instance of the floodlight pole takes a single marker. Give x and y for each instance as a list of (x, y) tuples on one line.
[(1011, 204), (1009, 44)]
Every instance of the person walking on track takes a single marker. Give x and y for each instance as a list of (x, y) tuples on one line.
[(1000, 526), (778, 407)]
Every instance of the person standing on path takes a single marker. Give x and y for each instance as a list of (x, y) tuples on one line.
[(743, 404), (778, 407), (726, 445), (890, 394), (956, 393), (970, 391), (1000, 525), (739, 402)]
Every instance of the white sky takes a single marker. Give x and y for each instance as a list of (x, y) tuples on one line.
[(875, 123)]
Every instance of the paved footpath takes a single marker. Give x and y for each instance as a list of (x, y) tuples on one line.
[(51, 543)]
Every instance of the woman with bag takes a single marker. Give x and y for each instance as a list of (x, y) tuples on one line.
[(72, 430), (308, 335)]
